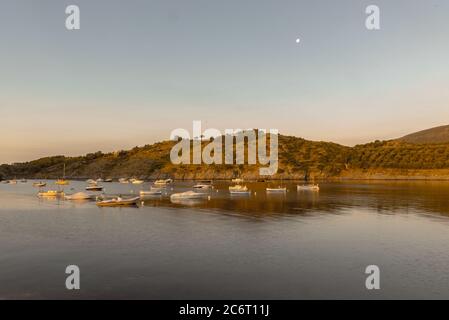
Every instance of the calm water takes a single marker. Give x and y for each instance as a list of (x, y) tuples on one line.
[(294, 246)]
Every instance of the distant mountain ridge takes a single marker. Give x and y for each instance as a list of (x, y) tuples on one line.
[(433, 135)]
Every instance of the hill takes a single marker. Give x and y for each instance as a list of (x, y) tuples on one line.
[(298, 159), (433, 135)]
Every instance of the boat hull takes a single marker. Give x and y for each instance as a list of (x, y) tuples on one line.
[(119, 203)]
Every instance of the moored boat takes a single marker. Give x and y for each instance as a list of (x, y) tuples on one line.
[(51, 194), (202, 186), (308, 187), (137, 181), (123, 180), (276, 190), (188, 195), (163, 182), (119, 202), (80, 196), (155, 192), (94, 187), (239, 189), (39, 184), (62, 182)]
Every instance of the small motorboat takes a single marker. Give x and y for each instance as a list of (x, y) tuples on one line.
[(14, 181), (238, 189), (51, 194), (276, 190), (99, 180), (123, 180), (39, 184), (137, 181), (155, 192), (94, 187), (119, 202), (80, 196), (309, 187), (188, 195), (108, 180), (163, 182), (202, 186), (91, 181)]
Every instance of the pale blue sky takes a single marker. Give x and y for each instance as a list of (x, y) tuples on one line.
[(138, 69)]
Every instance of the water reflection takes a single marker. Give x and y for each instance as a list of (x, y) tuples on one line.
[(335, 197)]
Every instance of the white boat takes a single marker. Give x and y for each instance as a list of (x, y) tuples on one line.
[(309, 187), (80, 196), (202, 186), (150, 193), (108, 180), (94, 187), (238, 189), (91, 181), (188, 195), (51, 194), (137, 181), (277, 190), (123, 180), (39, 184), (119, 202), (100, 180), (14, 181), (163, 182), (24, 180)]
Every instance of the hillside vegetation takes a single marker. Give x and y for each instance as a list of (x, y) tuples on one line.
[(298, 159)]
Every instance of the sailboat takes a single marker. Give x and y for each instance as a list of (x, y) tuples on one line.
[(63, 181)]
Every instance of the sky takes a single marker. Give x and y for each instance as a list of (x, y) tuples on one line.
[(136, 70)]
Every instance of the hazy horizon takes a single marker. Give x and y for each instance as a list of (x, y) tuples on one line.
[(137, 70)]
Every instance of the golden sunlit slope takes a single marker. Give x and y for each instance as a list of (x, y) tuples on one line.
[(298, 159)]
